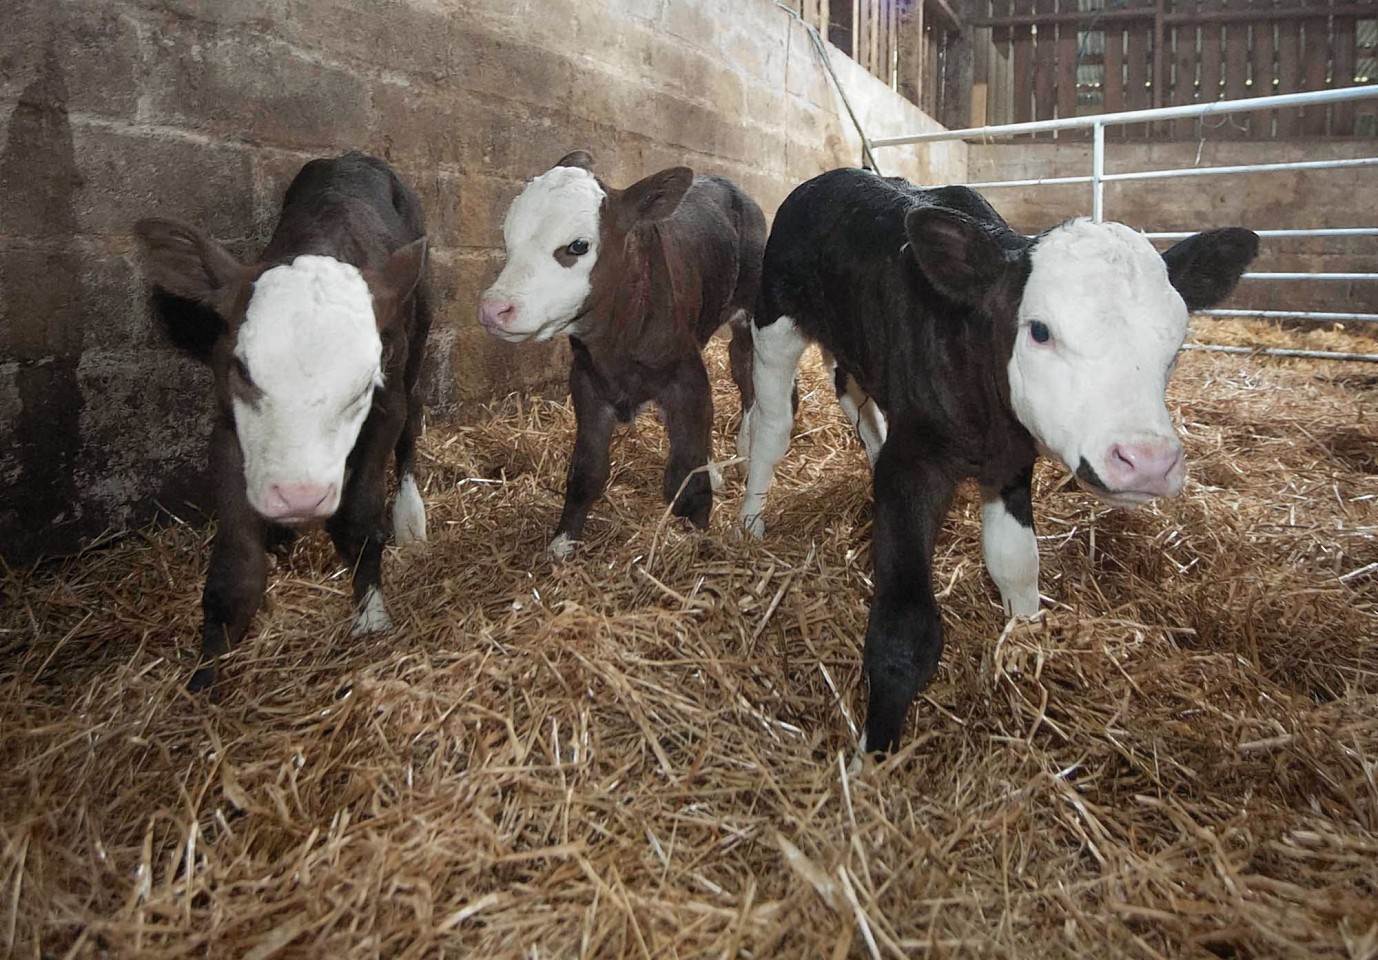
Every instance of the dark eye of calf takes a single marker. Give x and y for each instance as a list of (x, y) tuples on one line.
[(568, 254), (1040, 332)]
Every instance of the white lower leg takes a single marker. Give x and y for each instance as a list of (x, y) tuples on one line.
[(408, 513), (373, 614), (1011, 552), (777, 348)]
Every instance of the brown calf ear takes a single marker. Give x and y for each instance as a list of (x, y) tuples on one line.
[(396, 280), (185, 262), (654, 197), (579, 158), (955, 252)]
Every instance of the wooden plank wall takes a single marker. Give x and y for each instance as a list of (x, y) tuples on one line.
[(1170, 52)]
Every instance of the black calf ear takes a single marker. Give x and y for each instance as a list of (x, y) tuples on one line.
[(956, 253), (404, 268), (654, 197), (1205, 267), (185, 262), (579, 158)]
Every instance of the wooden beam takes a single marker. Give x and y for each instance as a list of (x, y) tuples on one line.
[(1093, 18)]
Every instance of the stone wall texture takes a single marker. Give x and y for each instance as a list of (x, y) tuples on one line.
[(1290, 199), (203, 110)]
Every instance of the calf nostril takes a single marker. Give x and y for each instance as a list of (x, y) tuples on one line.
[(1124, 459)]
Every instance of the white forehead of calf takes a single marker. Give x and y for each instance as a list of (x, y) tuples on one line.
[(311, 346), (1100, 285), (562, 205)]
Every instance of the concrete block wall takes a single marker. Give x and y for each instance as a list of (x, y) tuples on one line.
[(204, 110), (1293, 199)]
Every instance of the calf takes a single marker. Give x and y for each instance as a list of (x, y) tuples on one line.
[(640, 279), (982, 347), (317, 359)]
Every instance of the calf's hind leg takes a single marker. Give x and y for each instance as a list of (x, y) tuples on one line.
[(777, 347), (862, 412), (1009, 543), (408, 509), (739, 353)]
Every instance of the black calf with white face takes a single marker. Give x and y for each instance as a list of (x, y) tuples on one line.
[(317, 364), (983, 348)]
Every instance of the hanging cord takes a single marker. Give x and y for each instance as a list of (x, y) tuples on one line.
[(868, 159)]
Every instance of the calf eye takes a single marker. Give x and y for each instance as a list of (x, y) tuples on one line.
[(1040, 332), (578, 248)]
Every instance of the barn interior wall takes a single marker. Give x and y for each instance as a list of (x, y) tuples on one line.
[(1293, 199), (203, 110)]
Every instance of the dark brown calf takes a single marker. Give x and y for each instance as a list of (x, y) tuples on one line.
[(317, 358), (640, 279)]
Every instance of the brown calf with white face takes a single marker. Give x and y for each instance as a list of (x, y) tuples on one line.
[(640, 279), (317, 356)]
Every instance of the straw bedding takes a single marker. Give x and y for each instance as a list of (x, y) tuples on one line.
[(643, 752)]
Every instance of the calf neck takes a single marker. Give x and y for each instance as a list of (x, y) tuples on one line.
[(317, 353), (981, 347)]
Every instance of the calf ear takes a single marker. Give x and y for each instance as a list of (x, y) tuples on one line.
[(400, 274), (956, 253), (579, 158), (654, 197), (185, 262), (1204, 268)]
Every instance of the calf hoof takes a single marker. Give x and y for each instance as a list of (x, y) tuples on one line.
[(1021, 608), (754, 526), (408, 515), (203, 678), (372, 616), (561, 548), (715, 477)]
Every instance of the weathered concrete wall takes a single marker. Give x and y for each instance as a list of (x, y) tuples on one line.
[(1284, 200), (204, 110)]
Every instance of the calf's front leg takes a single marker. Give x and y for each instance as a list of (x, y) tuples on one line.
[(357, 527), (589, 464), (238, 572), (1009, 543), (904, 633), (686, 402)]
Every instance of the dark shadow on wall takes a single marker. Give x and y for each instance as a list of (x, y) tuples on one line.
[(41, 330)]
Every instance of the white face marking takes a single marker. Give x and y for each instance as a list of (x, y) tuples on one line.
[(408, 514), (310, 345), (1094, 392), (559, 208), (776, 352), (1011, 552), (373, 614)]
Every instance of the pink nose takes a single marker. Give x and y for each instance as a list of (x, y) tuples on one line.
[(1152, 468), (299, 501), (496, 314)]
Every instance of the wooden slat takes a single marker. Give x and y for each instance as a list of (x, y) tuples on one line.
[(999, 36), (1210, 56), (1288, 10), (1021, 42), (1342, 33), (1067, 67), (1045, 71), (893, 34), (1184, 63), (1315, 53), (1289, 74), (1136, 75), (1236, 74), (873, 45), (1112, 88), (1262, 51)]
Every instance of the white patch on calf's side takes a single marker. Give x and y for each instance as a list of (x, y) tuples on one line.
[(1011, 553), (310, 345), (557, 208), (373, 614), (777, 348), (408, 513), (1116, 323)]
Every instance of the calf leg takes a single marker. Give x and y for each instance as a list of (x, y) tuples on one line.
[(862, 412), (739, 352), (904, 634), (408, 509), (777, 347), (1009, 544), (589, 465), (238, 572), (357, 527), (686, 402)]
